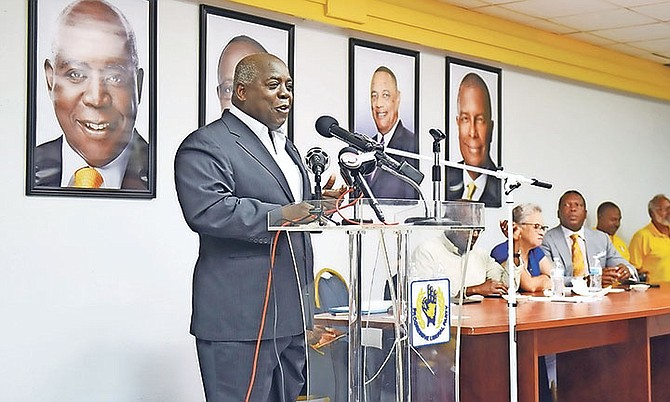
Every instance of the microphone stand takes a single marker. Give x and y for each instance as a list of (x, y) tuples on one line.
[(511, 183), (437, 170)]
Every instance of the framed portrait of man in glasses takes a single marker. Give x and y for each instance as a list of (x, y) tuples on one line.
[(226, 37)]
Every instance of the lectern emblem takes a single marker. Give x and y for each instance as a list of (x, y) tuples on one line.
[(430, 312)]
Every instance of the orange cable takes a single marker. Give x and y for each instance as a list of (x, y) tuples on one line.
[(265, 309)]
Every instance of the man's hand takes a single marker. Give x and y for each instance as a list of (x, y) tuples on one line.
[(297, 212), (330, 195), (612, 275), (488, 288)]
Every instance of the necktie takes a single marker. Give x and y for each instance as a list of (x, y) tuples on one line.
[(578, 268), (381, 139), (87, 177), (471, 190)]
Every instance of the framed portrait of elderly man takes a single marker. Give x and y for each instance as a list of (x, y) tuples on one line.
[(383, 104), (474, 120), (91, 98), (226, 37)]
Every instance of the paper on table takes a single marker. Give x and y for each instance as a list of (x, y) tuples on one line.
[(373, 307), (566, 299)]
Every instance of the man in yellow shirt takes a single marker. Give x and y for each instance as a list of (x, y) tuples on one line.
[(609, 220), (650, 246)]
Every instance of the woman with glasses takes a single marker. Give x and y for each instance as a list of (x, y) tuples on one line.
[(528, 232)]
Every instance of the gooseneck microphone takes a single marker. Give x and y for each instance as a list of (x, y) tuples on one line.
[(329, 127), (350, 162), (317, 162)]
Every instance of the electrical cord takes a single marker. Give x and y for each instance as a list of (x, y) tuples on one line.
[(254, 366)]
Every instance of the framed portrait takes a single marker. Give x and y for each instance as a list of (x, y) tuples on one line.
[(91, 98), (473, 118), (225, 38), (383, 104)]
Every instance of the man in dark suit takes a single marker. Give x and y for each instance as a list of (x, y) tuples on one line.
[(475, 132), (229, 175), (95, 84), (385, 103)]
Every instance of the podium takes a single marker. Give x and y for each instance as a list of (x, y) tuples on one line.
[(424, 366)]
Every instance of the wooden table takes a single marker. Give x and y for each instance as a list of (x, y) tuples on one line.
[(614, 349)]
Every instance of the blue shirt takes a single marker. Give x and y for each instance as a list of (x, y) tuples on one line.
[(499, 253)]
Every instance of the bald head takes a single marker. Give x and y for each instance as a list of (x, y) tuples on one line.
[(94, 80), (99, 16), (263, 89)]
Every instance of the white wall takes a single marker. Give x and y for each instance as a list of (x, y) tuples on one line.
[(95, 293)]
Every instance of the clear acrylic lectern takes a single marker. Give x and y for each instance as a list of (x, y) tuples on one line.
[(415, 355)]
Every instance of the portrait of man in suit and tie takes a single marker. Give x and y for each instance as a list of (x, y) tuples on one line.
[(474, 127), (95, 84), (228, 37), (386, 78)]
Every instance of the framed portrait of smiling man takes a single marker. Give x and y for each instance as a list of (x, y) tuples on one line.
[(91, 98), (383, 104), (474, 121)]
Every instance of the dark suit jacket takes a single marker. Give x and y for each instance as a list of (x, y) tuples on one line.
[(491, 195), (48, 164), (386, 185), (227, 182)]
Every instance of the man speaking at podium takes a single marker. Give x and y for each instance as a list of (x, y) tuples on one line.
[(229, 175)]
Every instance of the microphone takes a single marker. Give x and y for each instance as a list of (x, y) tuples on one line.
[(437, 134), (352, 165), (538, 183), (317, 160), (329, 127), (403, 168)]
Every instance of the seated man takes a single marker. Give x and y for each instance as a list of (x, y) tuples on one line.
[(609, 220), (577, 247), (650, 246), (443, 256)]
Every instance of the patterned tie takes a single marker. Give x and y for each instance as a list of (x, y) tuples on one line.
[(578, 268), (471, 190), (87, 177), (381, 139)]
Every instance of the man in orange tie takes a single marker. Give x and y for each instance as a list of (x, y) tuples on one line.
[(577, 247), (94, 82)]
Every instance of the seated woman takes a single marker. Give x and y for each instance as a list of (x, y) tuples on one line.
[(528, 232)]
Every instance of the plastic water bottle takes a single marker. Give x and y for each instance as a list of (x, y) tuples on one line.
[(595, 276), (557, 279)]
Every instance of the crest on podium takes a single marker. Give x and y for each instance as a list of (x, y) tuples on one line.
[(430, 311)]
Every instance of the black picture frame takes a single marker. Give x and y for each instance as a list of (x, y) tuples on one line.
[(456, 71), (365, 60), (44, 166), (217, 28)]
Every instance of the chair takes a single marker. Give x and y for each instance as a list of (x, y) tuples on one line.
[(330, 290)]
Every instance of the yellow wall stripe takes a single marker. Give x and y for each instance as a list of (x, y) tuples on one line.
[(464, 33)]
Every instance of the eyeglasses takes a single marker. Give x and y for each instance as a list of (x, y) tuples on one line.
[(225, 90), (536, 226)]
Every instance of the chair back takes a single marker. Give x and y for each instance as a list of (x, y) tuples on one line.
[(330, 290)]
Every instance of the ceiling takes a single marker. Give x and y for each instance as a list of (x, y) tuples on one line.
[(640, 28)]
